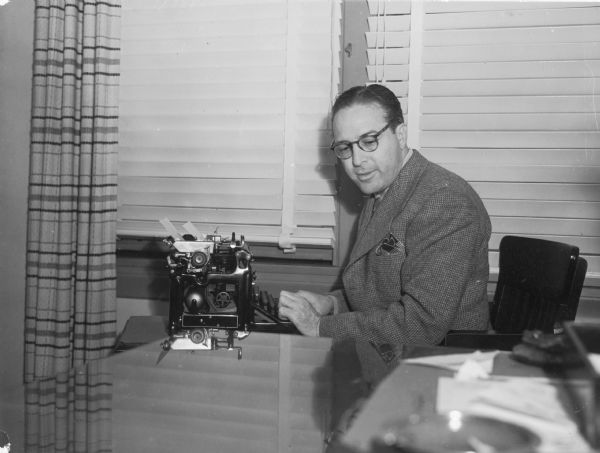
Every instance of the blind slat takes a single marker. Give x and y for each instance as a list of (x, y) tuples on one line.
[(315, 203), (218, 77), (213, 155), (508, 52), (462, 6), (208, 29), (201, 215), (509, 69), (515, 156), (526, 35), (213, 186), (309, 187), (141, 107), (388, 56), (544, 208), (385, 7), (206, 121), (524, 173), (545, 226), (388, 39), (510, 104), (387, 72), (232, 201), (199, 170), (389, 23), (549, 122), (312, 218), (206, 58), (506, 87), (512, 138), (220, 138), (159, 46), (537, 191), (516, 18)]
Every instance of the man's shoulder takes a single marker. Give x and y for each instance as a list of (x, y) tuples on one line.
[(437, 188), (435, 172), (435, 177)]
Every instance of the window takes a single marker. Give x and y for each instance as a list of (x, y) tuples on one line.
[(224, 119), (504, 94)]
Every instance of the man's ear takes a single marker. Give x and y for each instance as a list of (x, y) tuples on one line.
[(401, 134)]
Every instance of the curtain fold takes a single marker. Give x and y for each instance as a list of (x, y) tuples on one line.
[(71, 412), (71, 261)]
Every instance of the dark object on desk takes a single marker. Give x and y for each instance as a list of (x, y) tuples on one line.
[(581, 378), (455, 433), (543, 349), (539, 285)]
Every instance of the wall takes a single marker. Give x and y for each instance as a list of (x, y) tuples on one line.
[(16, 43)]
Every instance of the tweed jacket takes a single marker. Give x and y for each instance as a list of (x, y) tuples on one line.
[(419, 266)]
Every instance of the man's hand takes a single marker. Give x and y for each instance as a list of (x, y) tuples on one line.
[(305, 309), (322, 304)]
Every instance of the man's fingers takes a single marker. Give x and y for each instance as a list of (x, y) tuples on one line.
[(286, 297), (285, 312)]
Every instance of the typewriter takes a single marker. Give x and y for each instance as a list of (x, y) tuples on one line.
[(214, 298)]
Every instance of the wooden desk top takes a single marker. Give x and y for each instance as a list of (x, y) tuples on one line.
[(278, 398)]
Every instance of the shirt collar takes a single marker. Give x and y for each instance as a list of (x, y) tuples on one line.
[(378, 196)]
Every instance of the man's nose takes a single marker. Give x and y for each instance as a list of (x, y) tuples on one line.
[(357, 155)]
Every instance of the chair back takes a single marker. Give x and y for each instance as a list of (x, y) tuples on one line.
[(539, 284), (569, 312)]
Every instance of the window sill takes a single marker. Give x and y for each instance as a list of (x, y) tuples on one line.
[(154, 246)]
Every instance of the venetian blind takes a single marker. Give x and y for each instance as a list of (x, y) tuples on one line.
[(507, 98), (224, 118)]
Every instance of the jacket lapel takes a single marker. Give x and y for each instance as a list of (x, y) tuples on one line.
[(372, 230)]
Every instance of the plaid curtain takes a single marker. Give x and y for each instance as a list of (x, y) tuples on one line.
[(70, 412), (71, 262)]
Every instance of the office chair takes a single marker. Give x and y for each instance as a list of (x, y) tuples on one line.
[(539, 285)]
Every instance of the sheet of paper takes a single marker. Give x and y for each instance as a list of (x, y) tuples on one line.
[(168, 225), (453, 362), (531, 403), (595, 360)]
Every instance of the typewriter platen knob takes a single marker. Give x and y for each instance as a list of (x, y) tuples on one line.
[(198, 336), (199, 259)]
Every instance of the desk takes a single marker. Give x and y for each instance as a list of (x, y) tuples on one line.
[(286, 394), (279, 397)]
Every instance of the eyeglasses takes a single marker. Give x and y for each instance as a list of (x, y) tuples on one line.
[(367, 142)]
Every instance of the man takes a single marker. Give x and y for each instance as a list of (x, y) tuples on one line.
[(419, 267)]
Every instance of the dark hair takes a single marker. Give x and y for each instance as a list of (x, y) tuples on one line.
[(371, 94)]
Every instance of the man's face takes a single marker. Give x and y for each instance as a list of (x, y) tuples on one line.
[(372, 171)]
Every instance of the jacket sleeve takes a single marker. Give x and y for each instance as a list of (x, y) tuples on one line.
[(445, 243), (340, 304)]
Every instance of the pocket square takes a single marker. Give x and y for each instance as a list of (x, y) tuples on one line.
[(388, 245)]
